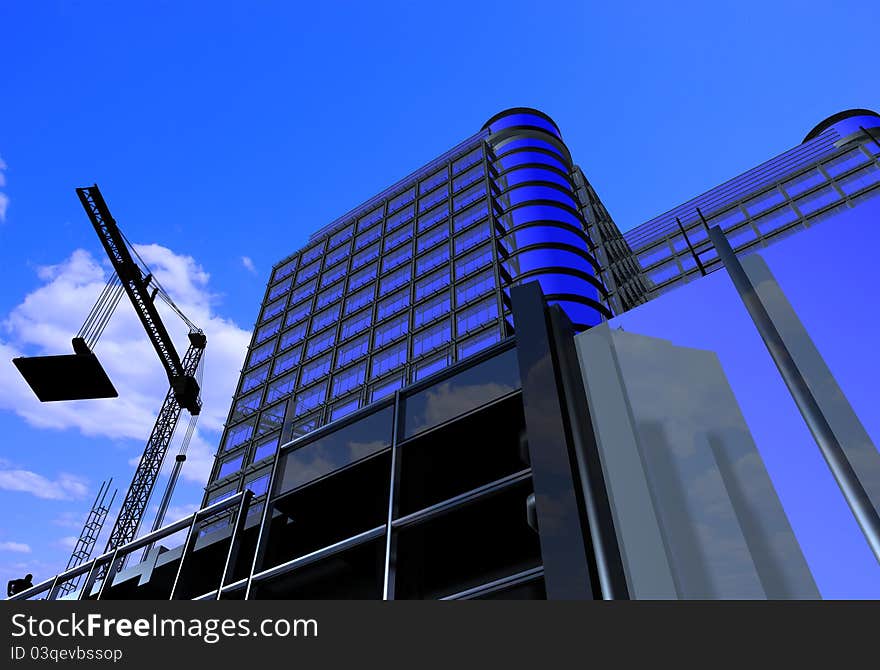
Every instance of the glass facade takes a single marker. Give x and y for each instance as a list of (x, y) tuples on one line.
[(412, 281)]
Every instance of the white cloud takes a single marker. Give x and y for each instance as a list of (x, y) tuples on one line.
[(248, 263), (68, 542), (4, 199), (17, 547), (44, 322), (65, 487)]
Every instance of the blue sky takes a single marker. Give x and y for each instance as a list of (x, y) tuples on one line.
[(221, 131)]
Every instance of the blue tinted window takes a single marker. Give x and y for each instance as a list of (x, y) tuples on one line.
[(472, 237), (320, 343), (367, 237), (365, 256), (431, 309), (470, 262), (360, 299), (474, 287), (432, 337), (434, 216), (524, 119), (432, 259), (847, 161), (302, 292), (311, 398), (428, 201), (239, 434), (470, 158), (527, 157), (266, 447), (398, 237), (369, 219), (279, 289), (230, 465), (526, 143), (260, 354), (400, 218), (395, 258), (397, 278), (523, 237), (329, 295), (464, 219), (267, 331), (474, 193), (477, 343), (245, 406), (348, 379), (476, 316), (385, 388), (287, 360), (311, 254), (764, 201), (333, 274), (434, 180), (253, 379), (341, 235), (523, 194), (390, 330), (431, 238), (345, 407), (285, 270), (336, 254), (259, 485), (355, 324), (403, 199), (432, 283), (280, 387), (308, 272), (323, 319), (271, 418), (388, 359), (292, 336), (350, 351), (467, 178), (392, 304), (817, 200), (361, 277), (531, 213), (804, 182), (431, 365), (859, 180), (532, 174)]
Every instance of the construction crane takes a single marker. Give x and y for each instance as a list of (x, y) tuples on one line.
[(81, 376)]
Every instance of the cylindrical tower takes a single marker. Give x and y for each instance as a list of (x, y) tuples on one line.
[(542, 236)]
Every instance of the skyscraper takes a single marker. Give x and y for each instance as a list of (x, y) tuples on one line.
[(411, 281)]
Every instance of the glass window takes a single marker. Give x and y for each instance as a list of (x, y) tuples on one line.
[(304, 291), (861, 179), (260, 354), (350, 351), (308, 272), (474, 287), (434, 216), (323, 319), (429, 366), (530, 157), (764, 201), (371, 218), (360, 299), (349, 378), (432, 259), (526, 142), (816, 200), (311, 397), (341, 235), (476, 316), (433, 198), (285, 270), (361, 277), (398, 237), (287, 360), (271, 418), (336, 254), (258, 484), (329, 295), (266, 447), (654, 255), (385, 388), (464, 219), (474, 193), (431, 338), (344, 407), (431, 309), (432, 283), (467, 160), (396, 279), (320, 343), (804, 182), (392, 357), (395, 258), (245, 406), (298, 313), (667, 271), (392, 304), (472, 237), (467, 178), (367, 237), (845, 162), (333, 274), (280, 387), (388, 331), (403, 199), (267, 331), (335, 450), (292, 336), (362, 257), (307, 425), (279, 289), (776, 219), (434, 180), (477, 343), (315, 369), (221, 494), (312, 253), (253, 379), (355, 324), (399, 218), (462, 392), (239, 434), (475, 259), (230, 465), (432, 238)]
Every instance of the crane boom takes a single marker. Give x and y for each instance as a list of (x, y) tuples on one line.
[(183, 384)]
